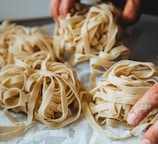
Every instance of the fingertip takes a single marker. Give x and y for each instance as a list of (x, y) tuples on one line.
[(54, 10), (145, 141), (57, 22), (150, 135), (63, 13), (131, 119), (127, 19), (128, 15)]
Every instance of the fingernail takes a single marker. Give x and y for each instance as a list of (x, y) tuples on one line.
[(131, 118), (145, 141)]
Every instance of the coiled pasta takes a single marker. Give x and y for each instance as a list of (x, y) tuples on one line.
[(91, 33), (32, 82), (49, 93), (19, 41), (121, 87)]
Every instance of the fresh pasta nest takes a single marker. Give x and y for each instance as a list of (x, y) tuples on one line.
[(91, 33), (48, 92), (32, 82), (120, 88), (19, 41)]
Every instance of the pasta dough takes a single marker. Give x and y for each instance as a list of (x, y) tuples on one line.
[(91, 33), (111, 100)]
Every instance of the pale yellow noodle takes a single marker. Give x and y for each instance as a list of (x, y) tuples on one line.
[(94, 34), (121, 87), (19, 41), (34, 84), (48, 92)]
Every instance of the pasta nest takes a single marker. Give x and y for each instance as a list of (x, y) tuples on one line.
[(20, 41), (120, 88), (91, 32), (51, 93), (32, 82)]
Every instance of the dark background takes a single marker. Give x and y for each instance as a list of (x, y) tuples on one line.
[(147, 6), (150, 7)]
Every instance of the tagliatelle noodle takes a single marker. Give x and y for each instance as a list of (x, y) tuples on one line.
[(44, 90), (67, 108), (63, 106), (13, 96), (19, 41), (91, 33), (121, 87), (50, 93)]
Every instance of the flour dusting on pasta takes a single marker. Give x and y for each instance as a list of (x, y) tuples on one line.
[(121, 87)]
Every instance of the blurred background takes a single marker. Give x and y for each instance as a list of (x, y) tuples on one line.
[(38, 11), (149, 7)]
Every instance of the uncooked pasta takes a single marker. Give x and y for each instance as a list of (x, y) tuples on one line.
[(33, 83), (91, 33), (19, 41), (45, 91), (121, 87)]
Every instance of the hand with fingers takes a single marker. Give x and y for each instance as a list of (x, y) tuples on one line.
[(130, 12), (136, 114), (60, 7)]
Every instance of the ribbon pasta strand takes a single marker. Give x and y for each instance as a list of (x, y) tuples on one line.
[(110, 101), (19, 41), (89, 33), (44, 90), (32, 83)]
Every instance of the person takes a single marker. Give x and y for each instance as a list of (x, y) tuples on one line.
[(130, 13), (149, 101)]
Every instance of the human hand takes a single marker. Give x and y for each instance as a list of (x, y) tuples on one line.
[(131, 12), (148, 102), (60, 7)]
